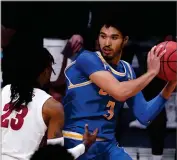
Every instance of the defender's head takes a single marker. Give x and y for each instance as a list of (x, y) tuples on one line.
[(27, 65)]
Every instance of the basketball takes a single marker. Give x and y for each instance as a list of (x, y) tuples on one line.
[(168, 65)]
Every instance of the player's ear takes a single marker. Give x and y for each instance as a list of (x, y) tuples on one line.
[(126, 38)]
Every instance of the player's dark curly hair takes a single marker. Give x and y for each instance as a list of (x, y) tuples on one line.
[(52, 152), (23, 62), (116, 20)]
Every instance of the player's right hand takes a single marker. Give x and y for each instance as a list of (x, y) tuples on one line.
[(153, 60), (76, 43), (89, 138)]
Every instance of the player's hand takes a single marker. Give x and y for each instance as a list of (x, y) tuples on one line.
[(172, 83), (169, 89), (89, 138), (76, 43), (153, 60)]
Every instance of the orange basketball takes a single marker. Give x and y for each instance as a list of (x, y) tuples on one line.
[(168, 67)]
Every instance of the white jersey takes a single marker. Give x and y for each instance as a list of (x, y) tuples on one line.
[(23, 130)]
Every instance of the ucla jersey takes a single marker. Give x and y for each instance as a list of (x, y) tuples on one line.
[(86, 103)]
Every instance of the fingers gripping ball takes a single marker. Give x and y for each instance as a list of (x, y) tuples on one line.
[(168, 65)]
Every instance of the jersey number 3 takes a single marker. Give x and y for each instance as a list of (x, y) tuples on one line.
[(15, 123), (109, 105)]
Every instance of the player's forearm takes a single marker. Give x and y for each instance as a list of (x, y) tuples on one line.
[(145, 111), (132, 87), (168, 89), (150, 110), (155, 106)]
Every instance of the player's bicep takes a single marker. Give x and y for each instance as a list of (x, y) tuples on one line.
[(92, 67), (56, 121), (106, 81)]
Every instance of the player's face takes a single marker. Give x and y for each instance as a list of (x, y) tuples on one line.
[(111, 42)]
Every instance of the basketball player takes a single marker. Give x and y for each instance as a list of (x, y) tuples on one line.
[(27, 111), (98, 84)]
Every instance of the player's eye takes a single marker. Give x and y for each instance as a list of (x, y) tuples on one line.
[(114, 37), (102, 36)]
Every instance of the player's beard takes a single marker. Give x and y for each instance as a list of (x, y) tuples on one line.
[(109, 58), (106, 57)]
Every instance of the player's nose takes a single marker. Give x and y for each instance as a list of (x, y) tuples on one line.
[(108, 42)]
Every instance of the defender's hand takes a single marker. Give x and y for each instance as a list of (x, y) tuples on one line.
[(89, 138)]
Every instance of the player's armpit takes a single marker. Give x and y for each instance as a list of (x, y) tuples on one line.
[(55, 112)]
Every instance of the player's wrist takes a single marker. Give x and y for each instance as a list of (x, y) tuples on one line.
[(171, 86), (152, 73), (77, 151), (172, 83), (86, 145), (168, 89)]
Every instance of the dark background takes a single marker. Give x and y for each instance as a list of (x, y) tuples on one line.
[(63, 19)]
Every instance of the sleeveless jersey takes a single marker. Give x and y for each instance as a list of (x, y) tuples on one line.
[(22, 129)]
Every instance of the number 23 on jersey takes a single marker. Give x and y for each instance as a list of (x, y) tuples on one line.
[(17, 121)]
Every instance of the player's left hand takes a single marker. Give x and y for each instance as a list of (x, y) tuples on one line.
[(89, 138), (169, 88), (76, 43), (173, 83)]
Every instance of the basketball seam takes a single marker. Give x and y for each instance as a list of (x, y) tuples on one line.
[(170, 61), (163, 68)]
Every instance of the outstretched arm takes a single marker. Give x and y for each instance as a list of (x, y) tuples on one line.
[(145, 111), (53, 114)]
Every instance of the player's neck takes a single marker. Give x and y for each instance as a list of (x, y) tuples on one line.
[(38, 85)]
